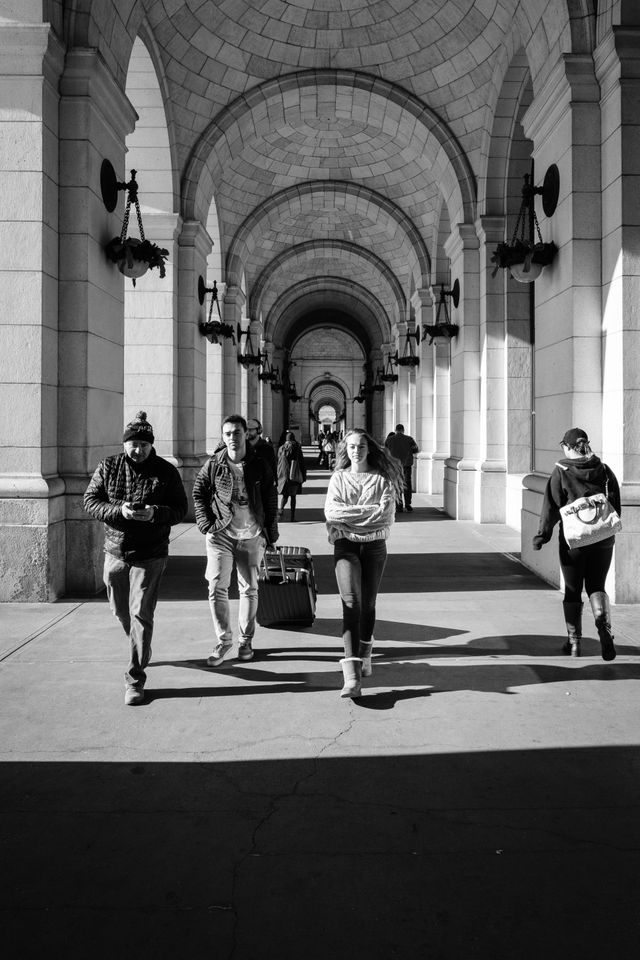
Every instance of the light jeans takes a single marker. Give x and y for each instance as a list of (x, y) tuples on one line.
[(222, 550), (132, 589)]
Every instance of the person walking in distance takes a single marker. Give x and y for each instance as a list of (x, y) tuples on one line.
[(403, 447), (580, 473), (236, 503), (359, 510), (138, 496), (292, 473), (259, 445)]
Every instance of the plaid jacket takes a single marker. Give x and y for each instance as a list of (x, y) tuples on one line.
[(154, 482), (213, 488)]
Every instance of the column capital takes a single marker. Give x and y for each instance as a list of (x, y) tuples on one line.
[(463, 237), (421, 299), (87, 78), (617, 58), (572, 80), (234, 296), (491, 229), (193, 234), (26, 47)]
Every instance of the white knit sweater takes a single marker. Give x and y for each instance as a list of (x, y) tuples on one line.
[(359, 506)]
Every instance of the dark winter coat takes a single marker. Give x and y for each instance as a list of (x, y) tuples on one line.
[(265, 450), (154, 482), (402, 447), (290, 452), (569, 480), (213, 489)]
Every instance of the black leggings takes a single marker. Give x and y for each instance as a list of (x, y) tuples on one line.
[(359, 568), (585, 567)]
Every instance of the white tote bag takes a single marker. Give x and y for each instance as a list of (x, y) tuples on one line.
[(589, 520)]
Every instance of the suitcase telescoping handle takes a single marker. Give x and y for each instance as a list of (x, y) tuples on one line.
[(280, 556)]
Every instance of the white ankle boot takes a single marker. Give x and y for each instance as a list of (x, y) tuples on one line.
[(352, 672)]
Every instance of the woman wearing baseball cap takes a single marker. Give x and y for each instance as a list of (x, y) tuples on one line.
[(580, 474)]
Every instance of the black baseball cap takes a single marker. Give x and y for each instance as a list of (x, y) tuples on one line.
[(573, 436)]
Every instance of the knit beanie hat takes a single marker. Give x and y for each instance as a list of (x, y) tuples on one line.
[(139, 427)]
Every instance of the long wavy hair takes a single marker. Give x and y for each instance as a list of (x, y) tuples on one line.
[(378, 457)]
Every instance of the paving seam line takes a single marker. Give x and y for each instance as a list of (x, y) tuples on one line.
[(38, 633)]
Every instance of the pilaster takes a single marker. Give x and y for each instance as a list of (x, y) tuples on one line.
[(461, 482)]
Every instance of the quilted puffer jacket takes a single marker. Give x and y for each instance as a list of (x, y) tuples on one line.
[(213, 488), (155, 482)]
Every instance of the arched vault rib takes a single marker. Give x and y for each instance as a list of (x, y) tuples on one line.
[(303, 250), (328, 193), (248, 117), (329, 294)]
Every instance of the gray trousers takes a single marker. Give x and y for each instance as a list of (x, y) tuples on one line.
[(132, 589)]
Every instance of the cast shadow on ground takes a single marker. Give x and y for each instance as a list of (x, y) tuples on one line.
[(404, 573), (405, 672), (460, 854)]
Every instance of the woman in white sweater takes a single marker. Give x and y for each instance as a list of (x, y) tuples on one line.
[(360, 508)]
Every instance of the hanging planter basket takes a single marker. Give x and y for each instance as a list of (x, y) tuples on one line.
[(134, 257), (214, 329), (528, 258), (447, 330)]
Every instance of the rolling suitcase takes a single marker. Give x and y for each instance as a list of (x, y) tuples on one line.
[(286, 588)]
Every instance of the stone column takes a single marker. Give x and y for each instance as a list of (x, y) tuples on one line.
[(492, 493), (423, 306), (265, 406), (251, 406), (232, 307), (95, 118), (564, 124), (151, 340), (194, 246), (402, 391), (32, 508), (390, 390), (617, 62), (461, 486)]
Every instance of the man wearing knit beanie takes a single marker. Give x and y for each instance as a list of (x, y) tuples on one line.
[(138, 496)]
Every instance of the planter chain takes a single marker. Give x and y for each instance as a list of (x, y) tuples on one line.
[(132, 197)]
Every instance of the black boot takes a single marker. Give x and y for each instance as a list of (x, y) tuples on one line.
[(573, 621), (602, 614)]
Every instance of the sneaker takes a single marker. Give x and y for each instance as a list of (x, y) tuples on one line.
[(245, 650), (220, 652), (133, 696), (409, 509)]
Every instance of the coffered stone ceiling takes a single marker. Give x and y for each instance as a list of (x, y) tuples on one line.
[(335, 137)]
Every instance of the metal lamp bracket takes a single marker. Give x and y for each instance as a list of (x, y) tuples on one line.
[(110, 186)]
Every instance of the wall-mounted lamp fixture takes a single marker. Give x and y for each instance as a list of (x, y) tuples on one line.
[(276, 384), (360, 396), (249, 358), (268, 373), (387, 375), (409, 357), (525, 257), (292, 393), (132, 255), (443, 326), (213, 328)]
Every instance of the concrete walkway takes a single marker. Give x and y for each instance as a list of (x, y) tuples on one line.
[(479, 801)]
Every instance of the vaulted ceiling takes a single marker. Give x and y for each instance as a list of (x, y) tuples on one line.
[(336, 139)]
